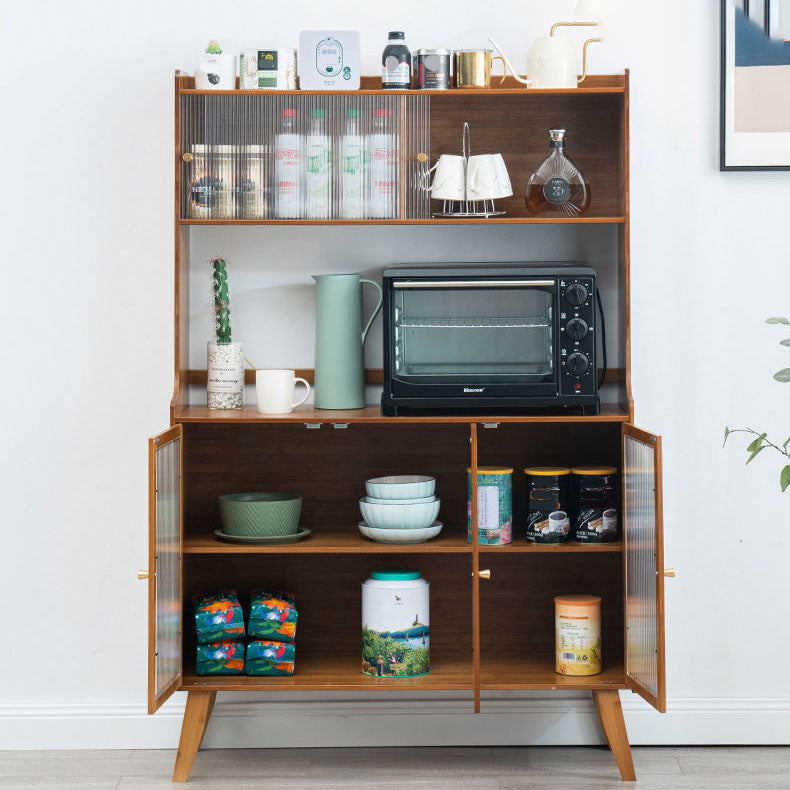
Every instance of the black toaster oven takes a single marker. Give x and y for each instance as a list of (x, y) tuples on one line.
[(488, 337)]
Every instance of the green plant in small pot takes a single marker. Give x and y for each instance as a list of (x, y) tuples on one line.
[(225, 376), (761, 440)]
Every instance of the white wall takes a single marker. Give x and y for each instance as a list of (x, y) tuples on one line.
[(86, 141)]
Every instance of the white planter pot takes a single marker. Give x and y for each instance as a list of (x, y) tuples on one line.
[(215, 72)]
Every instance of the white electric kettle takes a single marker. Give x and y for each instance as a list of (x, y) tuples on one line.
[(551, 60)]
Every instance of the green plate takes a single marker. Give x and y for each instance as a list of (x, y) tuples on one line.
[(274, 540)]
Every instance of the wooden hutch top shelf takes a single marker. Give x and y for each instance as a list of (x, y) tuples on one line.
[(371, 86)]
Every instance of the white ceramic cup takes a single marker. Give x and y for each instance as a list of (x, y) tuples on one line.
[(504, 187), (448, 181), (275, 391)]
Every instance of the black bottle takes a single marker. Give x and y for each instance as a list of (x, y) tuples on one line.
[(396, 63)]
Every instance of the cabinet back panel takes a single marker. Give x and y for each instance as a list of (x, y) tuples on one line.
[(329, 596), (517, 604), (327, 467), (518, 128)]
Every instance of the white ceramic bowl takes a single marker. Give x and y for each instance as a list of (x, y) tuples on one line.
[(393, 536), (421, 500), (401, 487), (411, 516)]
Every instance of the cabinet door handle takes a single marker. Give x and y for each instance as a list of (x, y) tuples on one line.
[(669, 573), (187, 157), (141, 574), (486, 574)]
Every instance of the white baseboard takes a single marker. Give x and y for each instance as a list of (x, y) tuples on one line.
[(395, 721)]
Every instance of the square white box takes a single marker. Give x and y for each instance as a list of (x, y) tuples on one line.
[(329, 60)]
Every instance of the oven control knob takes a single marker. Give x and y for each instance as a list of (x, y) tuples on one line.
[(575, 294), (576, 329), (576, 364)]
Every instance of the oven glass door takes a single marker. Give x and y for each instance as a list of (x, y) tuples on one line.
[(473, 331)]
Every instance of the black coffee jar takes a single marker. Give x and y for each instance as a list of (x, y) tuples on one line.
[(548, 499), (595, 497)]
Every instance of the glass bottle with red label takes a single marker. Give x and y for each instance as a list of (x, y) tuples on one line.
[(557, 188)]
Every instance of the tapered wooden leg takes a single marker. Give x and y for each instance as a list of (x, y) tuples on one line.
[(610, 711), (196, 716)]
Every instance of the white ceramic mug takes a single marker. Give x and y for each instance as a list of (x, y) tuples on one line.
[(275, 391), (448, 181), (504, 187), (481, 178)]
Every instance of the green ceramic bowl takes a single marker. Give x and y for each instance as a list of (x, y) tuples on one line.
[(260, 514)]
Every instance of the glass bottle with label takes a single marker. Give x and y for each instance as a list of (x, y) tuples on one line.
[(352, 163), (396, 63), (288, 168), (557, 188), (317, 168), (383, 167)]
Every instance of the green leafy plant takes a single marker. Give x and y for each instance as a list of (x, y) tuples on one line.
[(214, 48), (757, 445), (221, 300)]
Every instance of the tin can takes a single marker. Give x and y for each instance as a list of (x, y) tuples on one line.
[(267, 68), (548, 503), (395, 624), (577, 623), (432, 69), (251, 190), (595, 504), (494, 505)]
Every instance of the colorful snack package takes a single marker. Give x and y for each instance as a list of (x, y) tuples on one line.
[(218, 617), (220, 658), (273, 615), (270, 658)]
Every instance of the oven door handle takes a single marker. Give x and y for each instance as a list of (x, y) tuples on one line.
[(473, 283)]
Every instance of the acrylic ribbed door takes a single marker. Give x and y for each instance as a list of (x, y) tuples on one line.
[(644, 566), (165, 513)]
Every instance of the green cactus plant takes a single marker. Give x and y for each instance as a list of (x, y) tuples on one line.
[(221, 300), (214, 48)]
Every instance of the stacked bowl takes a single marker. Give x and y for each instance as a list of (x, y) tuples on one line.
[(400, 509)]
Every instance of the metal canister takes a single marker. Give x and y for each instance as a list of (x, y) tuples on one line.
[(395, 624), (577, 624), (595, 500), (548, 503), (251, 190), (432, 69), (494, 505), (223, 163)]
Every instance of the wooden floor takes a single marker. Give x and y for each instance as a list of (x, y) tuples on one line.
[(481, 768)]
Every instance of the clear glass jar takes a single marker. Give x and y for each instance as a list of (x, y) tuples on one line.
[(225, 376)]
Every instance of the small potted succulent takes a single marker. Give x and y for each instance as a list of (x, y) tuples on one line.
[(215, 70), (225, 375), (761, 440)]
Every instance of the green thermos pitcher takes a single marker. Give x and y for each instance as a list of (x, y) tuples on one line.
[(340, 340)]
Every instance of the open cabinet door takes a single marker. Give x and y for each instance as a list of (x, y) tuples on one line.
[(643, 534), (165, 513)]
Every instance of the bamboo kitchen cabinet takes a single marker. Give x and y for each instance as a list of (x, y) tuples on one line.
[(493, 623)]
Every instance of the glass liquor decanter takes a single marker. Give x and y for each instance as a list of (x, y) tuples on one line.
[(557, 188)]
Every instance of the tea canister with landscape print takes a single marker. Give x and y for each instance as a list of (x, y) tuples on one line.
[(395, 624), (494, 505)]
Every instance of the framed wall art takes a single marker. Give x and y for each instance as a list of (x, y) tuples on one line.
[(755, 85)]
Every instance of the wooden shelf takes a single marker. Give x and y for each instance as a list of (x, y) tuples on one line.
[(537, 672), (586, 220), (522, 547), (333, 673), (610, 412), (611, 84), (328, 542)]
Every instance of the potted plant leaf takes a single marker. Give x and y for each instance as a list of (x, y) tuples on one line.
[(225, 369), (761, 440)]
